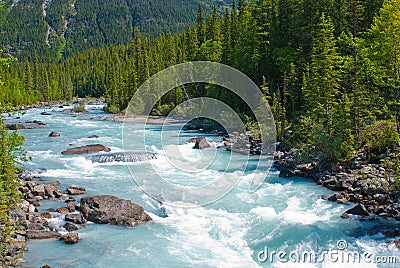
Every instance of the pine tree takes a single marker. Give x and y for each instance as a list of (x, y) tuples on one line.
[(324, 80), (201, 26), (382, 46)]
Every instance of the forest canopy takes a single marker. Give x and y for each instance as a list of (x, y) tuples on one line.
[(329, 69)]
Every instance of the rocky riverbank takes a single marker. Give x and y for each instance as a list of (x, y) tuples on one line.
[(75, 214), (359, 182)]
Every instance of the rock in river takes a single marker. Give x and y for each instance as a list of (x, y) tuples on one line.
[(17, 126), (359, 209), (88, 149), (201, 143), (107, 209), (70, 238), (54, 134), (76, 190)]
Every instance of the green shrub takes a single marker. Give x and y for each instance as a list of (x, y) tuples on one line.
[(379, 137), (392, 167), (79, 107), (11, 156), (112, 109), (164, 109)]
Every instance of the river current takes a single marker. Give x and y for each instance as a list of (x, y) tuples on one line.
[(288, 217)]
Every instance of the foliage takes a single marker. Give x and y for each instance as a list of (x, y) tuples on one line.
[(79, 107), (329, 70), (112, 109), (392, 166), (379, 137), (164, 109), (64, 27), (11, 155)]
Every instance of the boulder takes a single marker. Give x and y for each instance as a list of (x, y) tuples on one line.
[(75, 218), (41, 234), (52, 191), (18, 126), (88, 149), (38, 190), (54, 134), (45, 113), (34, 226), (54, 183), (359, 209), (76, 190), (70, 238), (201, 143), (46, 215), (63, 210), (70, 199), (71, 206), (93, 137), (107, 209), (69, 226)]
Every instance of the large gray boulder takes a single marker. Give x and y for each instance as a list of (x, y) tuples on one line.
[(201, 143), (88, 149), (107, 209)]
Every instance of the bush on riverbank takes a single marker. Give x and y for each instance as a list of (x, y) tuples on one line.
[(11, 155), (379, 137)]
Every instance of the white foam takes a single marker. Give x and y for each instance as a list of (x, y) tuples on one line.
[(61, 173), (208, 236), (82, 123), (297, 213), (81, 163), (265, 212)]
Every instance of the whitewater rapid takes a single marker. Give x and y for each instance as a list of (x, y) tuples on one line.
[(283, 214)]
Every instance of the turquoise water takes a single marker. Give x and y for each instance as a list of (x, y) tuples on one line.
[(283, 214)]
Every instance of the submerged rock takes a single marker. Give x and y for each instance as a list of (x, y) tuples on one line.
[(88, 149), (107, 209)]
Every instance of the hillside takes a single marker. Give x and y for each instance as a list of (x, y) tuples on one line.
[(63, 27)]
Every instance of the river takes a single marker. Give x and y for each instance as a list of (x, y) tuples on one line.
[(283, 215)]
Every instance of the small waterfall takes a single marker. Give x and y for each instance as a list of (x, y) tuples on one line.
[(123, 157)]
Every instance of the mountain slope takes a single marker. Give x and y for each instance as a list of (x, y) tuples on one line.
[(63, 27)]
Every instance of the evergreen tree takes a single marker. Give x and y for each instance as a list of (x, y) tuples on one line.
[(382, 46)]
